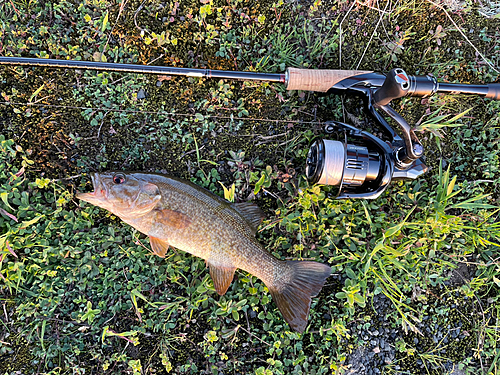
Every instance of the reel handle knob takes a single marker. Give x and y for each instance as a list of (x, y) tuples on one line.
[(396, 85)]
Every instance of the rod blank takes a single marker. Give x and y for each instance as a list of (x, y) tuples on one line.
[(143, 69)]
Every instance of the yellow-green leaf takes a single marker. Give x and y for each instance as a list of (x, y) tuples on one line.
[(104, 333), (229, 193), (38, 90), (393, 230), (451, 185), (28, 223), (105, 22), (496, 281), (4, 195)]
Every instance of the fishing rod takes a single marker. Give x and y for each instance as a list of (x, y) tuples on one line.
[(360, 165)]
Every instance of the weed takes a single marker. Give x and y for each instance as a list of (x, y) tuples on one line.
[(80, 291)]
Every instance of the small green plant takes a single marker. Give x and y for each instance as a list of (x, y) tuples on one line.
[(90, 314), (395, 48), (208, 180), (350, 292), (161, 39), (436, 124), (136, 366), (228, 308), (438, 34), (265, 179)]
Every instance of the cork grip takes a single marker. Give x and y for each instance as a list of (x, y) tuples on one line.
[(317, 79)]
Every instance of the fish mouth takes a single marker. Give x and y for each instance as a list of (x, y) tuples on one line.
[(100, 192)]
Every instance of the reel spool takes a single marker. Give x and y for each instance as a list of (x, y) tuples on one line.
[(337, 163)]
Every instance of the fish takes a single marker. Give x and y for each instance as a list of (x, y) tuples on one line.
[(180, 214)]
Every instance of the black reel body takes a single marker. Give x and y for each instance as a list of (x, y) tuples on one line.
[(361, 165)]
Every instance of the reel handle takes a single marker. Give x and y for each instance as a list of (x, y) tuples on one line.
[(398, 84)]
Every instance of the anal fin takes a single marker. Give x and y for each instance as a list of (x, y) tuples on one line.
[(159, 247), (222, 276)]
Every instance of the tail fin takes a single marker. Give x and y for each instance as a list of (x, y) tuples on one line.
[(293, 296)]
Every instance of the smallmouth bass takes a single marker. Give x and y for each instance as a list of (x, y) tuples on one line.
[(178, 213)]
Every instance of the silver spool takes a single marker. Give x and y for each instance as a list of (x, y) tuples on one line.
[(334, 161)]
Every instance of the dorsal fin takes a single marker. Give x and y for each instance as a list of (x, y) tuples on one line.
[(159, 247), (252, 214), (222, 276)]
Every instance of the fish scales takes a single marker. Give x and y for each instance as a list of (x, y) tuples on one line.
[(213, 221), (178, 213)]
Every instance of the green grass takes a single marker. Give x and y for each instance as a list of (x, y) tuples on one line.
[(80, 291)]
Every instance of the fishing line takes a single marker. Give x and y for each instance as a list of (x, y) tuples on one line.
[(334, 163), (166, 113)]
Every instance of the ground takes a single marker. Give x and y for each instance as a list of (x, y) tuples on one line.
[(416, 272)]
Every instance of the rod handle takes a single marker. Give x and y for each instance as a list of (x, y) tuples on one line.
[(493, 91), (319, 80)]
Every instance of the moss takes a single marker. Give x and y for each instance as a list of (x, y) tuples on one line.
[(18, 357)]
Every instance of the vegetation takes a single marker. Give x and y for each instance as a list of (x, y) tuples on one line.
[(416, 280)]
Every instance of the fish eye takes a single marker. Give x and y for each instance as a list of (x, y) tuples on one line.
[(118, 179)]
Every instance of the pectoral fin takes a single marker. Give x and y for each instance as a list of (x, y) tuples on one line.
[(159, 247), (222, 277), (175, 219)]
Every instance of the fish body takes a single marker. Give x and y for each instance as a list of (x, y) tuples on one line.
[(178, 213)]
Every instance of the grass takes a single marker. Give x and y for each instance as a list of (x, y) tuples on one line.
[(80, 290)]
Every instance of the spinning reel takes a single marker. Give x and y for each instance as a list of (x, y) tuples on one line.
[(362, 165)]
